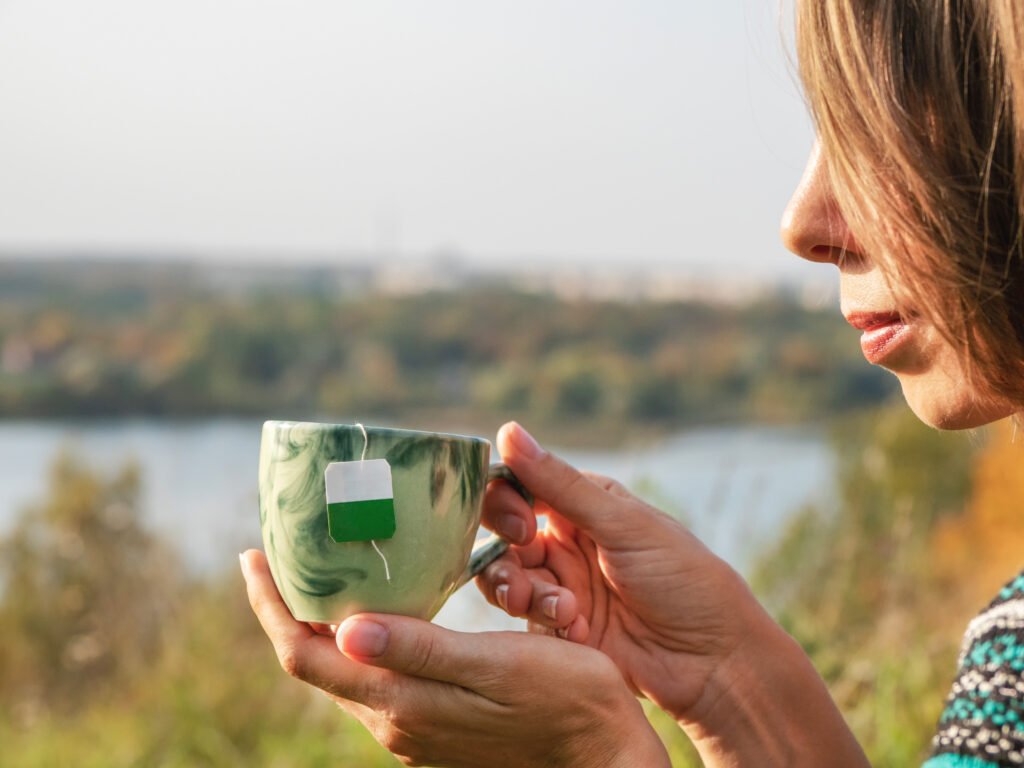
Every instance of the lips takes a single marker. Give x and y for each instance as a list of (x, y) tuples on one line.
[(883, 333)]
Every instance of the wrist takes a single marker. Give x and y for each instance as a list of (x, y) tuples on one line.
[(766, 705), (627, 740), (639, 747)]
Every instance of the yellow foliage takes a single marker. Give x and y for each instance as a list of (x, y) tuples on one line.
[(983, 548)]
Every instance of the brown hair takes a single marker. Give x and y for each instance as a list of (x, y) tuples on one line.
[(919, 107)]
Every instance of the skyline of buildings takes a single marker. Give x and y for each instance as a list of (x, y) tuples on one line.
[(354, 274)]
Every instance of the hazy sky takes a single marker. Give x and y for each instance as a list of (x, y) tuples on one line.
[(651, 132)]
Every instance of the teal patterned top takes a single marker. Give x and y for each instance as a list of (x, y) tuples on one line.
[(982, 725)]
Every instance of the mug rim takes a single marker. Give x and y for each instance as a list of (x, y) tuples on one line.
[(370, 429)]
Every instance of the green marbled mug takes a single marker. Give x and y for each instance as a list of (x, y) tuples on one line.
[(438, 484)]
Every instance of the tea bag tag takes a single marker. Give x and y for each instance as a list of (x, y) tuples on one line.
[(360, 500)]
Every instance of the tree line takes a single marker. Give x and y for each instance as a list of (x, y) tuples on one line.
[(174, 350)]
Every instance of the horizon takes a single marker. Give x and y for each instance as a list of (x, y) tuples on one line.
[(568, 282)]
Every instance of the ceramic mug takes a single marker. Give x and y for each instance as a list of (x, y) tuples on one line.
[(339, 544)]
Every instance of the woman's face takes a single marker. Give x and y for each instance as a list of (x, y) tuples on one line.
[(929, 368)]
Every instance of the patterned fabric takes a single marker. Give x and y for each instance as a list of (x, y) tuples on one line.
[(982, 725)]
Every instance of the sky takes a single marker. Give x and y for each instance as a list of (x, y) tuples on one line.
[(654, 133)]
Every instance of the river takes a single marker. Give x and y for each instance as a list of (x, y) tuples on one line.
[(736, 487)]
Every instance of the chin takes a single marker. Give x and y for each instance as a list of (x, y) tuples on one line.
[(950, 405)]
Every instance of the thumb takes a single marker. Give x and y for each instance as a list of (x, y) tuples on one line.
[(606, 517), (475, 661)]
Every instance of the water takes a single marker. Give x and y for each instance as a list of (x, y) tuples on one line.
[(735, 487)]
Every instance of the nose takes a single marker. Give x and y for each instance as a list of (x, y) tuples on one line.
[(812, 226)]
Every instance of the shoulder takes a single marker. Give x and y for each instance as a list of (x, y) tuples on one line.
[(982, 723)]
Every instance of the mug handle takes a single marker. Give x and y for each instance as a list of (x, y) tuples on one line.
[(493, 547)]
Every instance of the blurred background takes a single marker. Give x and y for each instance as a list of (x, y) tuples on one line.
[(440, 216)]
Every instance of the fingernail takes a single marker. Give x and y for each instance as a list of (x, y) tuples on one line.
[(244, 565), (549, 606), (363, 638), (501, 594), (563, 633), (525, 444), (512, 528)]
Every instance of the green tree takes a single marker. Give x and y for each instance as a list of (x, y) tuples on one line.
[(85, 592), (580, 393), (109, 658)]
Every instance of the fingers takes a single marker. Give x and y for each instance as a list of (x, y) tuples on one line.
[(577, 632), (478, 662), (508, 514), (533, 594), (605, 516), (302, 652), (284, 632), (415, 647), (505, 584)]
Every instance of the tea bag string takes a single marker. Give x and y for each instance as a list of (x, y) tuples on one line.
[(366, 444)]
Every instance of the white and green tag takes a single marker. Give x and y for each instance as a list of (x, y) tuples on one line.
[(360, 500)]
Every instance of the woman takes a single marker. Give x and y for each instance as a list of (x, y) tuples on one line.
[(914, 191)]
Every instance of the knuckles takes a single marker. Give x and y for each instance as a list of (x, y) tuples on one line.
[(569, 489), (497, 573), (617, 489), (291, 661), (422, 654), (604, 672), (403, 745)]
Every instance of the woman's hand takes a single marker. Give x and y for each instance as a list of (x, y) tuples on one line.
[(616, 574), (612, 572), (437, 697)]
